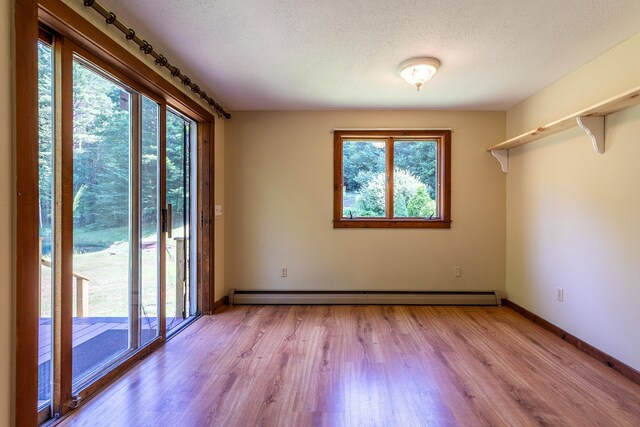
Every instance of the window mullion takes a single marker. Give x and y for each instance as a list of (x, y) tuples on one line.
[(389, 180), (63, 219), (439, 177), (134, 218), (338, 177), (162, 204)]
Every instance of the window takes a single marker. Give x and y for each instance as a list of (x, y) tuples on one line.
[(392, 179)]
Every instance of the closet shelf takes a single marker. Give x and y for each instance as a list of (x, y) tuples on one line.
[(590, 119)]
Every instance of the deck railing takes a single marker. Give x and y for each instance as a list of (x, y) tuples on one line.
[(82, 286), (82, 291), (180, 274)]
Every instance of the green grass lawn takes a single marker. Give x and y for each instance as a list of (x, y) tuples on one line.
[(108, 270)]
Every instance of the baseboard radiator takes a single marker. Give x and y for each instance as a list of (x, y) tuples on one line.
[(239, 297)]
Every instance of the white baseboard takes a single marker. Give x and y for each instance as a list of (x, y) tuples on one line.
[(263, 297)]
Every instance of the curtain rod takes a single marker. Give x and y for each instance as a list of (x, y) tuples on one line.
[(161, 60)]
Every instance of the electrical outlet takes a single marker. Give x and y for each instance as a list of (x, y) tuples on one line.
[(283, 271), (457, 271), (218, 210), (560, 294)]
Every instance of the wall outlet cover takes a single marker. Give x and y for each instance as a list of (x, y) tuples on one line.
[(457, 271)]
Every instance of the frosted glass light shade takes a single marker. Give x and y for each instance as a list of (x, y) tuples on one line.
[(417, 71)]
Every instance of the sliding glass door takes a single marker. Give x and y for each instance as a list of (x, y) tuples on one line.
[(102, 220), (181, 291), (118, 229)]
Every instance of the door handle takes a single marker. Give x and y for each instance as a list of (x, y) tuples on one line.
[(164, 220), (169, 221)]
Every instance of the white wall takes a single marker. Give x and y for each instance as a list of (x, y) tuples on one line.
[(573, 215), (279, 195), (608, 75), (6, 211)]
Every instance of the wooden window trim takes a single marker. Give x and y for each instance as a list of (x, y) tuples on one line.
[(45, 36), (116, 60), (72, 25), (443, 138), (105, 69)]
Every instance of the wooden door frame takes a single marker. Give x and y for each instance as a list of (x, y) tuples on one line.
[(28, 14), (27, 258), (205, 149)]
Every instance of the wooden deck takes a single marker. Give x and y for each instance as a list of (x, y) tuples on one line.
[(84, 329)]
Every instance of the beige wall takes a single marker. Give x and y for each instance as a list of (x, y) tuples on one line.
[(218, 228), (6, 212), (279, 195), (606, 76), (572, 215)]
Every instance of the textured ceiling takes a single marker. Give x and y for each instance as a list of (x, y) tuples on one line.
[(330, 54)]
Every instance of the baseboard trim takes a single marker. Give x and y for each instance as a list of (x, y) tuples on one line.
[(362, 297), (220, 304), (592, 351)]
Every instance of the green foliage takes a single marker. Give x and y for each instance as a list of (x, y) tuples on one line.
[(92, 240), (100, 151), (405, 184), (178, 160), (418, 158), (421, 205), (411, 198), (101, 157), (399, 206), (360, 162), (370, 200), (149, 162), (45, 138), (78, 197)]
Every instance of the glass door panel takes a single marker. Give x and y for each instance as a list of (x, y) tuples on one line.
[(101, 220), (150, 231), (45, 171), (180, 303)]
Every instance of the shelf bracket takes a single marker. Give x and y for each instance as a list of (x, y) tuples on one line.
[(503, 158), (594, 127)]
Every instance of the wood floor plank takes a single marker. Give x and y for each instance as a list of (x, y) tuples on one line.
[(365, 366)]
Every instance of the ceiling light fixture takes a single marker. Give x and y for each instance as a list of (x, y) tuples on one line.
[(417, 71)]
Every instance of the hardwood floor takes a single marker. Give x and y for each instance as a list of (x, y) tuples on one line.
[(365, 366)]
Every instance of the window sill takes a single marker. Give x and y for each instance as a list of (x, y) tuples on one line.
[(391, 223)]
